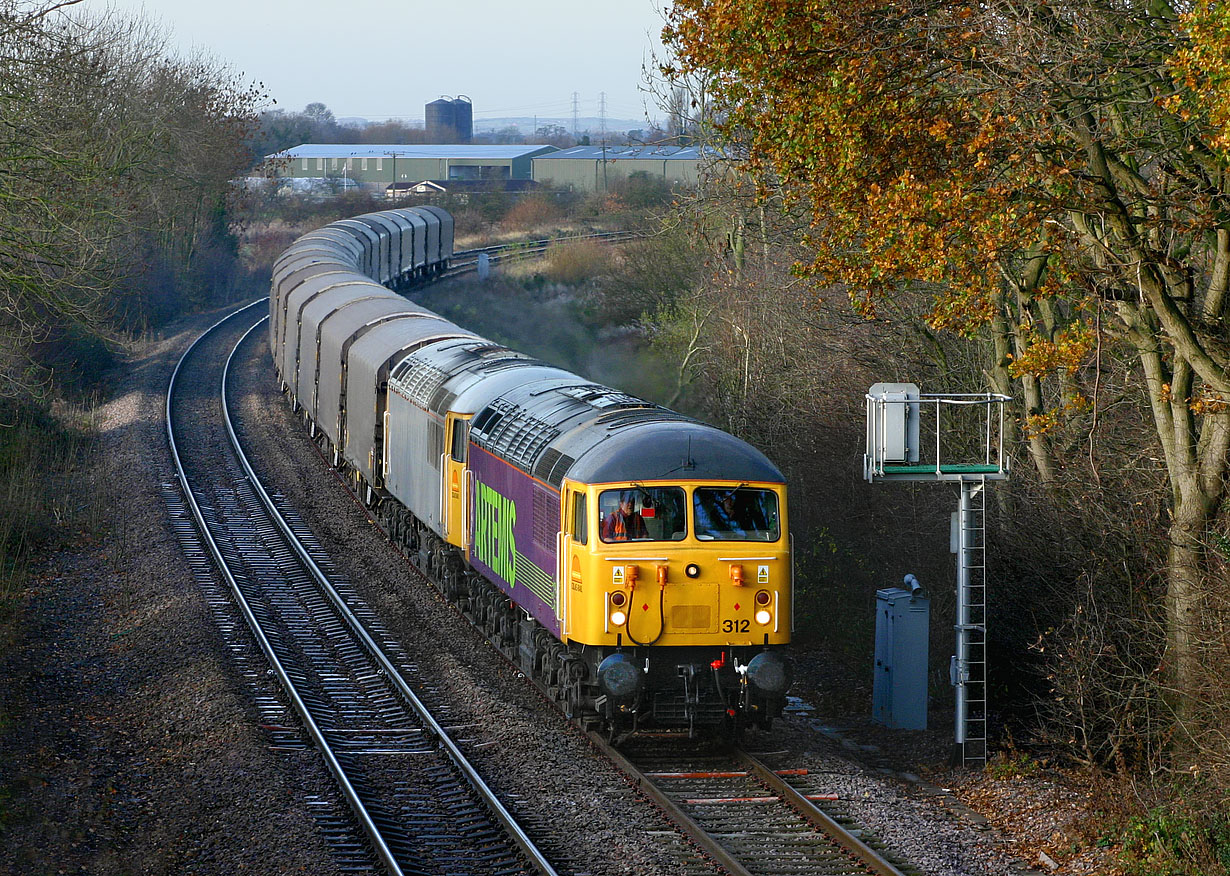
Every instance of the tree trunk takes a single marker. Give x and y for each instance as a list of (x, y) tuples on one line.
[(1195, 449), (1184, 581)]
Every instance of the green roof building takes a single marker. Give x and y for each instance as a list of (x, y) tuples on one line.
[(375, 165)]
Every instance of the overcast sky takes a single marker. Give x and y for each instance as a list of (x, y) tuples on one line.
[(387, 58)]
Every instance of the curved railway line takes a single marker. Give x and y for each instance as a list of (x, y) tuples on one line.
[(345, 683), (409, 786)]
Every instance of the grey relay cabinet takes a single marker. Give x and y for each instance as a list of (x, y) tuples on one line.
[(899, 691)]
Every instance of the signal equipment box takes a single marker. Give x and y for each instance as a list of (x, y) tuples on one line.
[(899, 691)]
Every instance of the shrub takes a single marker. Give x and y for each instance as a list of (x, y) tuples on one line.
[(640, 191), (36, 452), (530, 213), (577, 261), (1177, 839)]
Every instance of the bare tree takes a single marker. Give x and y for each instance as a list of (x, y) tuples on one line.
[(110, 153)]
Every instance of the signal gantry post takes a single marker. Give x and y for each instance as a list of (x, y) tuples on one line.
[(958, 438)]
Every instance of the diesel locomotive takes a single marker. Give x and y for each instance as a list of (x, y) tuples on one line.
[(633, 561)]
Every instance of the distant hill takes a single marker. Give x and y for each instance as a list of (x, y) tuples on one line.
[(524, 123)]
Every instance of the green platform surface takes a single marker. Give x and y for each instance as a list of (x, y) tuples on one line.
[(889, 468)]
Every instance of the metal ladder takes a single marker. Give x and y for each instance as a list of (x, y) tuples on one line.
[(969, 670)]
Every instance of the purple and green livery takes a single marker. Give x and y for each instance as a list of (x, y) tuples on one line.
[(513, 525)]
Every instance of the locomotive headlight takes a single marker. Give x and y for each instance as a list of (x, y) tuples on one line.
[(763, 616), (618, 617), (692, 570)]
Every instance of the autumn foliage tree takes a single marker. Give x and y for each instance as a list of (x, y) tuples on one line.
[(1049, 177)]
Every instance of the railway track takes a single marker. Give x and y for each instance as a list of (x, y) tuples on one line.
[(467, 260), (750, 817), (341, 672)]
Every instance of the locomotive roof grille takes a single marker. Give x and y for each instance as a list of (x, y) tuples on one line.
[(487, 348), (504, 363), (504, 430), (419, 380), (442, 400), (601, 396), (483, 419), (552, 466)]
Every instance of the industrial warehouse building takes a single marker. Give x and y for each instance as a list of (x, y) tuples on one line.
[(597, 168), (383, 165)]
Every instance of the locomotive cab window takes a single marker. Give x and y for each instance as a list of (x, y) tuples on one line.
[(643, 514), (460, 434), (739, 514), (580, 519)]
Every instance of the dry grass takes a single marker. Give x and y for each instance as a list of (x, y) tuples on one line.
[(45, 484), (577, 261), (530, 213)]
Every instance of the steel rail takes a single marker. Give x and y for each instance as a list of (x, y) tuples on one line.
[(494, 805), (339, 774), (863, 854), (547, 241), (673, 810), (814, 815), (501, 252), (374, 650)]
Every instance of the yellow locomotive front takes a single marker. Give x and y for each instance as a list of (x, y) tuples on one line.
[(683, 590)]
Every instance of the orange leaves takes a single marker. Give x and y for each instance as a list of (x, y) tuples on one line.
[(1201, 69), (1037, 425), (1210, 403), (860, 103), (1041, 356), (940, 129), (1206, 401)]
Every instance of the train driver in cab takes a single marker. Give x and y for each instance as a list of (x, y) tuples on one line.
[(624, 523), (715, 513)]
